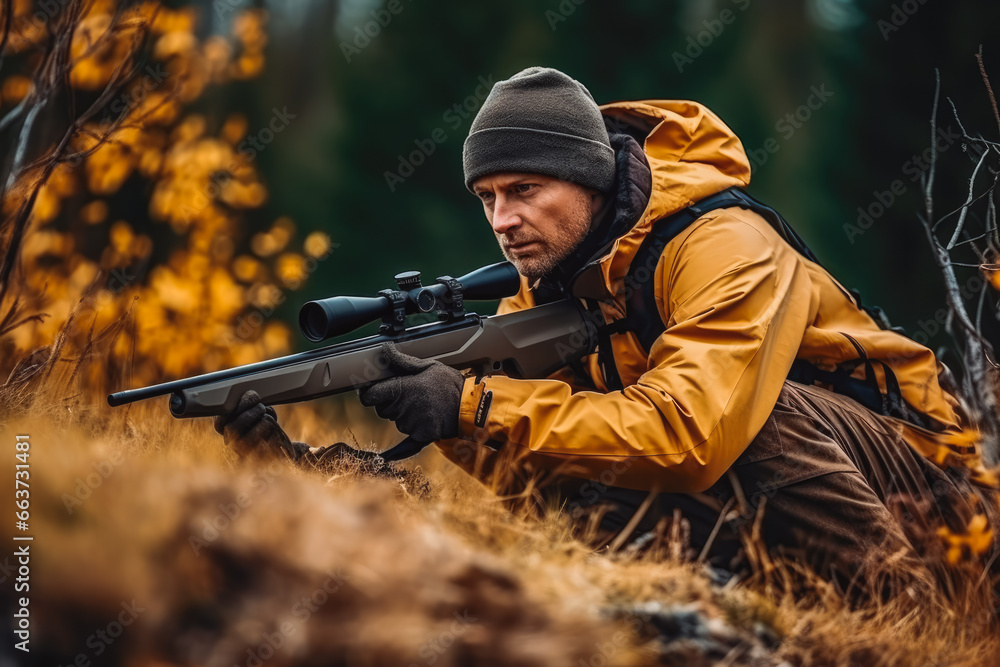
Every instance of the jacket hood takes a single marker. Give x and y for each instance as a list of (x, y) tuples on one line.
[(691, 154)]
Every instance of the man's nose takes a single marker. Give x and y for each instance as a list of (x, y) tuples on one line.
[(505, 217)]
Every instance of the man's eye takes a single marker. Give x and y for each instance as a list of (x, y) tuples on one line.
[(521, 188), (485, 196)]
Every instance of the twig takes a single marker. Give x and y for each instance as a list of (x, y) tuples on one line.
[(634, 521), (991, 225), (989, 88), (7, 18), (14, 113), (966, 265), (929, 187), (968, 202), (979, 308), (973, 239), (723, 516), (954, 111), (947, 215), (35, 108), (966, 136)]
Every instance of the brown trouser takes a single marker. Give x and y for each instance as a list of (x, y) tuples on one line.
[(827, 483)]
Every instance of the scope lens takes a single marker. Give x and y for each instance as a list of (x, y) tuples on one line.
[(313, 321), (426, 300)]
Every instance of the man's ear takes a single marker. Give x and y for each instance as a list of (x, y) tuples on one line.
[(597, 200)]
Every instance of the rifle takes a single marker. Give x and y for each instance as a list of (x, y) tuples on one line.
[(530, 343)]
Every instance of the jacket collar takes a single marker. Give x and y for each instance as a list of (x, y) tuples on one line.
[(691, 154), (623, 209)]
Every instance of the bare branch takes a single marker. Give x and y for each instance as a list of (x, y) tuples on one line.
[(35, 108), (954, 110), (968, 202), (976, 352), (979, 308), (48, 81), (989, 88), (14, 113), (7, 18), (956, 211), (991, 225), (929, 187)]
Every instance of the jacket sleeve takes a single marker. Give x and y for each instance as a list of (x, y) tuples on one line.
[(737, 301)]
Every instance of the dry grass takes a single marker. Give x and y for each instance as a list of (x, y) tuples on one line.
[(223, 556)]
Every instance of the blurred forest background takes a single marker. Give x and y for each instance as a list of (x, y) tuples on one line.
[(354, 114), (873, 60)]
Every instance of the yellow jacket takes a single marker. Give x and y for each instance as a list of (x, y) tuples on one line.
[(740, 305)]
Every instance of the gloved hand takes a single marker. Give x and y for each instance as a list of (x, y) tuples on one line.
[(423, 399), (252, 429)]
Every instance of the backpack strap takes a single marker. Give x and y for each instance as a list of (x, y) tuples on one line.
[(640, 295), (641, 314), (643, 319), (605, 353)]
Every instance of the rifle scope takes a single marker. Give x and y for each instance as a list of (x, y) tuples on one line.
[(338, 315)]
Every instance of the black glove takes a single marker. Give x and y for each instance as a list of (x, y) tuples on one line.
[(423, 399), (252, 428)]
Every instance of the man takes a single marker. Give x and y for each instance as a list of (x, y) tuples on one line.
[(704, 421)]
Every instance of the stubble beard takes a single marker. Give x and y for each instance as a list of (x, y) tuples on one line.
[(571, 232)]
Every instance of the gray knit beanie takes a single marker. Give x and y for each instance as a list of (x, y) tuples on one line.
[(540, 121)]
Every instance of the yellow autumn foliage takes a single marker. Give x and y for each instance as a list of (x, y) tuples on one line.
[(317, 244), (94, 212), (15, 88), (974, 542), (99, 48), (992, 273), (185, 304)]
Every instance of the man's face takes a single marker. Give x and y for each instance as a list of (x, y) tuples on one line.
[(538, 220)]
